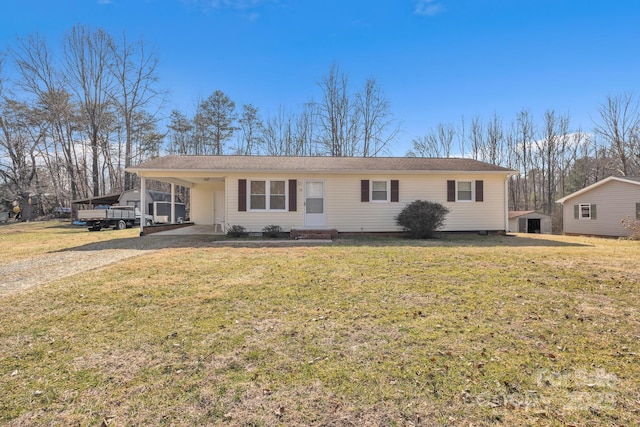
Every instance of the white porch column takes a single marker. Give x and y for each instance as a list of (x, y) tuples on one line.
[(143, 203), (173, 203)]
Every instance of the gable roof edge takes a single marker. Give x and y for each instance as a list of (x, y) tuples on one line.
[(597, 184)]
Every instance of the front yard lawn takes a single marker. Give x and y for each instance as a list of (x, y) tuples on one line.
[(465, 330)]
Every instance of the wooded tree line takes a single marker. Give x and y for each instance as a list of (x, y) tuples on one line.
[(77, 113), (553, 158), (75, 116), (343, 123)]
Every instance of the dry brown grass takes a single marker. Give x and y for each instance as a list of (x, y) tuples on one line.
[(467, 330), (25, 240)]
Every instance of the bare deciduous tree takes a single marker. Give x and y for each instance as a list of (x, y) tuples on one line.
[(337, 113), (42, 78), (493, 148), (278, 136), (437, 142), (525, 137), (354, 124), (305, 130), (550, 150), (379, 128), (476, 136), (88, 61), (251, 128), (619, 126), (20, 134), (134, 70)]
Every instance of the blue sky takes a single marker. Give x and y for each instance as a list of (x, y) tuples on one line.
[(436, 60)]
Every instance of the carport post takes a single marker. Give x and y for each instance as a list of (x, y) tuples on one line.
[(143, 203), (173, 203)]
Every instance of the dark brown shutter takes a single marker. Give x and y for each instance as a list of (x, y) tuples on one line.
[(594, 214), (364, 190), (242, 195), (576, 211), (637, 210), (479, 191), (395, 190), (451, 191), (293, 195)]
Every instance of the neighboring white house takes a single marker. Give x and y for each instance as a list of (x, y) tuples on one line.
[(529, 222), (347, 194), (598, 209)]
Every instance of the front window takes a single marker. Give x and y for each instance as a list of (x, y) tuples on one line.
[(585, 211), (277, 195), (268, 195), (465, 192), (379, 191)]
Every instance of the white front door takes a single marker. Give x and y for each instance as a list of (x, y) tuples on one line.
[(218, 211), (315, 214)]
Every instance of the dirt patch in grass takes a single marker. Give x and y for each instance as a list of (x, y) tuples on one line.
[(33, 254)]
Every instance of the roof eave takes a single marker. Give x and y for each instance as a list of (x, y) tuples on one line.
[(595, 185), (142, 171)]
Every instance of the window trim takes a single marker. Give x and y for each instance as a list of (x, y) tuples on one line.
[(580, 206), (387, 190), (472, 196), (267, 195)]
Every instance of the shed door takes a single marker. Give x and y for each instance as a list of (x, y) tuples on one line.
[(533, 225), (315, 214), (522, 225)]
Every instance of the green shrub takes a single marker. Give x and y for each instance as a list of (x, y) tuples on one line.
[(422, 218), (272, 231), (236, 231)]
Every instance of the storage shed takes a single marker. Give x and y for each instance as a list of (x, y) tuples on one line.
[(529, 222)]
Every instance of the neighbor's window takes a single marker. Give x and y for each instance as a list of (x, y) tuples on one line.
[(268, 195), (585, 211), (465, 192), (380, 191)]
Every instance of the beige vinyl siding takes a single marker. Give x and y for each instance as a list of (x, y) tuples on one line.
[(201, 211), (471, 216), (614, 201), (380, 217), (255, 221), (347, 213)]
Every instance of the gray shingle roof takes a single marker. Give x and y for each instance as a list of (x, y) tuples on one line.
[(315, 164)]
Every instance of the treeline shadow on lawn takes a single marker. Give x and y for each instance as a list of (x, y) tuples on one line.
[(157, 241)]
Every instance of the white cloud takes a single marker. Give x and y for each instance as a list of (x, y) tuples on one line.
[(429, 7), (226, 4), (251, 10)]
